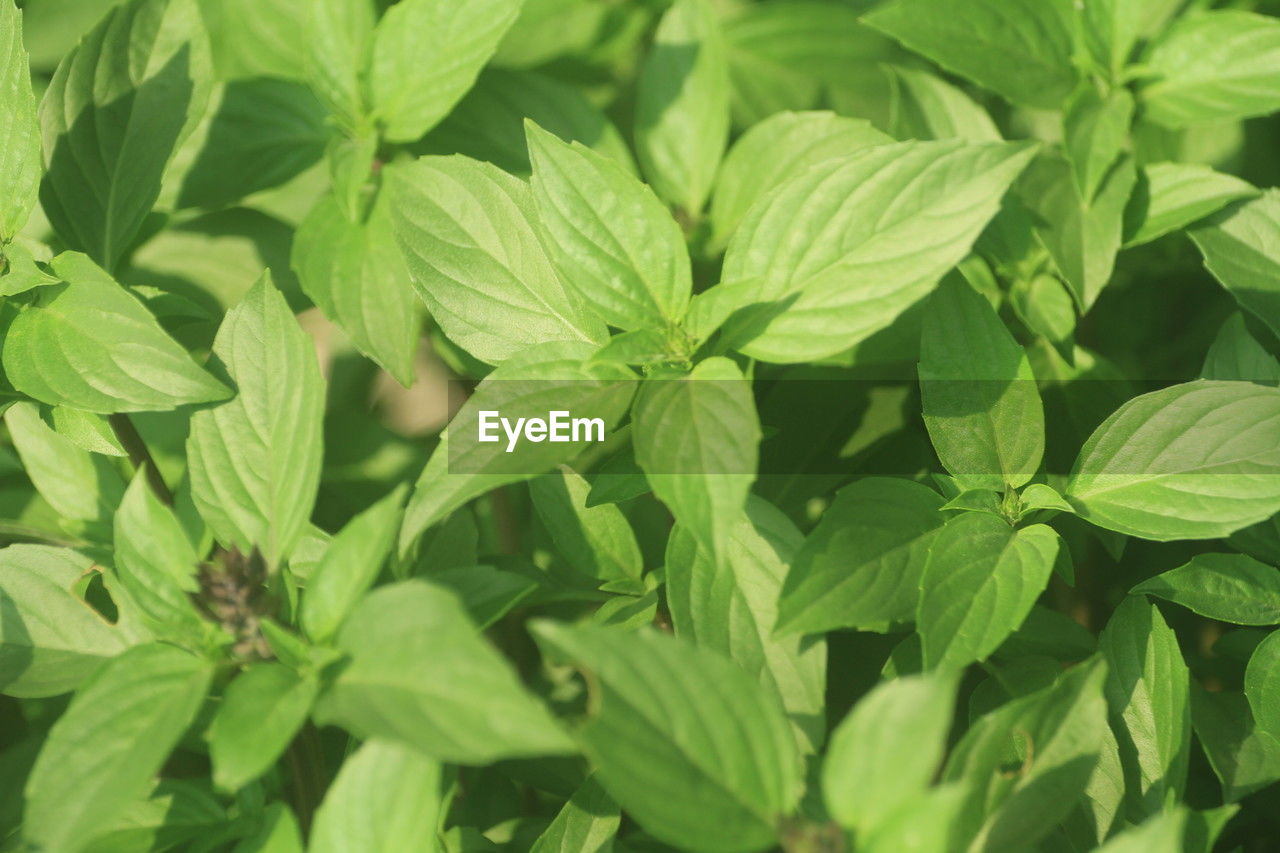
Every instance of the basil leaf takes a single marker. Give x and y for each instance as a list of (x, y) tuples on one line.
[(1227, 587), (19, 131), (1193, 461), (1240, 249)]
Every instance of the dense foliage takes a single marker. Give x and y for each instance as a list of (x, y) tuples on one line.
[(936, 345)]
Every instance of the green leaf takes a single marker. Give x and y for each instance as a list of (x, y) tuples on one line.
[(255, 459), (1244, 757), (729, 605), (488, 124), (411, 645), (1227, 587), (349, 567), (777, 149), (1095, 130), (924, 106), (896, 734), (156, 563), (118, 106), (277, 831), (554, 376), (1193, 461), (467, 232), (1171, 196), (1162, 832), (1147, 695), (1214, 66), (339, 36), (586, 824), (86, 430), (263, 133), (355, 273), (1241, 247), (981, 405), (682, 105), (19, 130), (1048, 308), (1083, 235), (686, 742), (79, 485), (425, 56), (1262, 684), (861, 566), (597, 541), (101, 753), (90, 344), (257, 38), (50, 638), (608, 235), (1029, 761), (1236, 356), (1020, 49), (978, 585), (386, 799), (261, 711), (697, 439), (1110, 29), (827, 245)]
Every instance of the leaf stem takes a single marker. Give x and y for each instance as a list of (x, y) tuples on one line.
[(133, 444), (305, 760)]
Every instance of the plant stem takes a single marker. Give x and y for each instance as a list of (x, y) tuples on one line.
[(133, 444), (305, 760)]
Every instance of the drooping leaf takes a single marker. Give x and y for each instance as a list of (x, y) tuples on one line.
[(79, 485), (686, 742), (896, 733), (830, 246), (1241, 247), (101, 754), (117, 108), (979, 583), (778, 148), (1237, 356), (410, 645), (597, 541), (697, 440), (1213, 66), (50, 638), (586, 824), (339, 35), (349, 567), (1020, 49), (1083, 235), (608, 235), (981, 405), (1193, 461), (1171, 196), (19, 129), (386, 799), (1149, 704), (355, 273), (156, 563), (90, 344), (425, 55), (261, 711), (255, 459), (730, 605), (467, 234), (682, 105), (1227, 587), (861, 566), (263, 132), (1030, 760)]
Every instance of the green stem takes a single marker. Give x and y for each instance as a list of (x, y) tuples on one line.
[(133, 444)]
